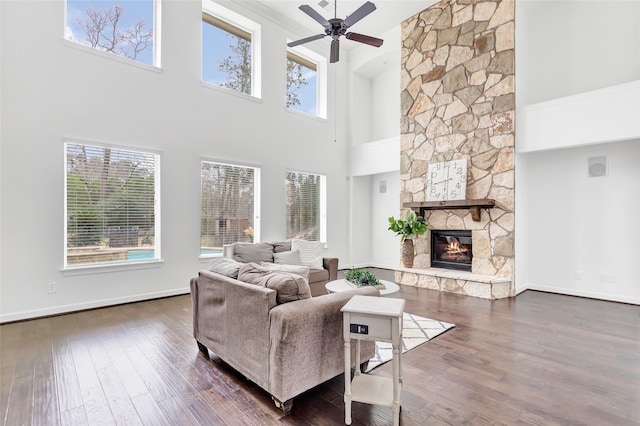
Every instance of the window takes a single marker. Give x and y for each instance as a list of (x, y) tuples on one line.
[(305, 206), (306, 82), (128, 28), (230, 50), (229, 206), (111, 205)]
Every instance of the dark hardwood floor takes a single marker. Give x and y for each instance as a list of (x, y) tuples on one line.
[(538, 359)]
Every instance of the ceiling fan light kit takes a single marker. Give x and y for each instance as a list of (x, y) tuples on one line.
[(337, 27)]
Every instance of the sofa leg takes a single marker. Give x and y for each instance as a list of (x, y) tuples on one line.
[(285, 406), (363, 366), (203, 349)]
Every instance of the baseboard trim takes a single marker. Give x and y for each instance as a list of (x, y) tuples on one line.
[(583, 293), (76, 307)]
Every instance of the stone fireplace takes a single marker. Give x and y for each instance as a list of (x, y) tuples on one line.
[(458, 102), (451, 249)]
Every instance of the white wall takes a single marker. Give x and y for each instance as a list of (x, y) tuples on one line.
[(360, 212), (578, 66), (580, 228), (52, 91), (372, 243), (385, 103), (610, 114), (569, 47), (359, 117), (385, 245)]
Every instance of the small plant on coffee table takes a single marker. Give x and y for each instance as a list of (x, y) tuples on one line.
[(361, 277)]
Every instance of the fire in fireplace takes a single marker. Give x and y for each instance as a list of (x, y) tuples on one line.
[(451, 249)]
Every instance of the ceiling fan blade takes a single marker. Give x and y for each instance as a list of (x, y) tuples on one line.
[(315, 15), (306, 40), (373, 41), (335, 51), (360, 13)]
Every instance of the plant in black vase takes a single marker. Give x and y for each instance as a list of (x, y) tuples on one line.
[(361, 277)]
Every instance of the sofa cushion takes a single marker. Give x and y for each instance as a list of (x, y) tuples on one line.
[(225, 266), (280, 246), (291, 257), (288, 286), (310, 252), (301, 270), (253, 252)]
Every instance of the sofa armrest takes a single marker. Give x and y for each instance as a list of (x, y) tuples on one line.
[(331, 265), (307, 345), (230, 318)]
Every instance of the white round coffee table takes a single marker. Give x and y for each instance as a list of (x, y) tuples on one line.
[(341, 285)]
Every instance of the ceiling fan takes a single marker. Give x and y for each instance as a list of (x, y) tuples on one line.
[(337, 27)]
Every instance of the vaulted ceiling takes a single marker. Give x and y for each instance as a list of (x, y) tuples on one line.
[(389, 13)]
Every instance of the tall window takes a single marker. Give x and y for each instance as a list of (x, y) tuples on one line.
[(128, 28), (111, 205), (305, 206), (229, 53), (229, 206)]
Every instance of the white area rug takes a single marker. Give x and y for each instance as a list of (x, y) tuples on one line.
[(416, 331)]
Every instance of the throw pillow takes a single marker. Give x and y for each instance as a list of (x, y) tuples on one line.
[(225, 266), (280, 246), (287, 258), (303, 271), (310, 252), (289, 287), (253, 252)]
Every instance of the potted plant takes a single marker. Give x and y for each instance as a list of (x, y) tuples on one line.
[(361, 277), (411, 226)]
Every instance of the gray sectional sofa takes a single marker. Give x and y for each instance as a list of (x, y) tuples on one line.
[(271, 330), (280, 252)]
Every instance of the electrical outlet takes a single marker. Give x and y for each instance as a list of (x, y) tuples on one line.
[(611, 279), (578, 275), (603, 278), (52, 288)]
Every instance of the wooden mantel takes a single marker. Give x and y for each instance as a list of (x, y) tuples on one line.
[(474, 206)]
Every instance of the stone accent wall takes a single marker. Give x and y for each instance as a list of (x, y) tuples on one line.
[(458, 101)]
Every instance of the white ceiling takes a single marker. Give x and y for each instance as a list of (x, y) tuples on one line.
[(389, 13)]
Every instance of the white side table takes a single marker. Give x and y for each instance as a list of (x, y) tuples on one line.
[(372, 318)]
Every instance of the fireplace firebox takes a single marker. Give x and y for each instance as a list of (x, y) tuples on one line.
[(451, 249)]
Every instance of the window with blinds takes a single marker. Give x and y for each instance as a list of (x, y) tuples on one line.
[(229, 203), (305, 206), (228, 49), (111, 205)]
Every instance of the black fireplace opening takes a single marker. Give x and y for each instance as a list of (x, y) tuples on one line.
[(451, 249)]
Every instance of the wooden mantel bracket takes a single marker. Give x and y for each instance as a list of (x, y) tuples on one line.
[(474, 206)]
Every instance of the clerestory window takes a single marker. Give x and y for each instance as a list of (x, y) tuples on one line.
[(127, 28), (230, 50), (306, 82)]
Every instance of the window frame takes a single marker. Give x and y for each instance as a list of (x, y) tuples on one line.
[(156, 51), (257, 180), (157, 247), (242, 25), (322, 208), (320, 62)]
